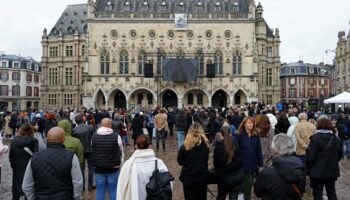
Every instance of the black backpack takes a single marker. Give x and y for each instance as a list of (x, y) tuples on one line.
[(158, 187)]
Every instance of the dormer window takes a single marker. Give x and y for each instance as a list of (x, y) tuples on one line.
[(311, 70), (29, 66), (15, 65), (127, 6), (199, 7), (292, 71), (109, 6), (163, 6), (217, 7), (236, 6), (182, 6), (145, 6)]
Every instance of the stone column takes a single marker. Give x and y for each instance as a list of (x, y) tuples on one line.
[(179, 102)]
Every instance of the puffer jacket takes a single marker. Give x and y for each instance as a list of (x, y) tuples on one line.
[(276, 183)]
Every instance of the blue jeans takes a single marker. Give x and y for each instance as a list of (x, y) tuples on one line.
[(180, 138), (346, 143), (106, 180)]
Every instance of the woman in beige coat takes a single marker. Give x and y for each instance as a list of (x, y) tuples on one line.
[(8, 130)]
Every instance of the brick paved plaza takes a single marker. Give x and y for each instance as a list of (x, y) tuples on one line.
[(169, 158)]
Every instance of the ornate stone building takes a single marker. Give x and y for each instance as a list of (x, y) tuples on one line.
[(301, 81), (19, 83), (96, 54), (342, 63)]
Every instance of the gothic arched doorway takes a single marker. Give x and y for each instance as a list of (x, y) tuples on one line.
[(219, 99), (169, 99), (240, 98), (119, 100)]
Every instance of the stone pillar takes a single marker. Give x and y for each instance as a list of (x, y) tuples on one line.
[(179, 102), (209, 100)]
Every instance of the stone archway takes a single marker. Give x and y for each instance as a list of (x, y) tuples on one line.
[(220, 99), (169, 99), (100, 101), (240, 98), (142, 97), (193, 97)]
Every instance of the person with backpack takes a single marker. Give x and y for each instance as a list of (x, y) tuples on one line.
[(286, 178), (343, 128), (137, 171), (193, 157)]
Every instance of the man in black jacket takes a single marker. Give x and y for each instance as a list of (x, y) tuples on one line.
[(84, 133), (344, 133), (180, 127), (53, 173)]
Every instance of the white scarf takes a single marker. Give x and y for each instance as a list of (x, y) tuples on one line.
[(127, 188)]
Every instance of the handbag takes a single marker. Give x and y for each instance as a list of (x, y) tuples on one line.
[(159, 187)]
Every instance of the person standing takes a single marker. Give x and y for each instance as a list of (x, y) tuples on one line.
[(343, 128), (322, 159), (53, 173), (21, 150), (303, 131), (180, 127), (160, 122), (8, 129), (286, 178), (136, 126), (137, 171), (106, 158), (84, 133), (193, 157), (251, 153), (228, 166), (171, 120), (3, 149)]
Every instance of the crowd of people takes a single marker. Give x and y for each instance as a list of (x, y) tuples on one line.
[(273, 153)]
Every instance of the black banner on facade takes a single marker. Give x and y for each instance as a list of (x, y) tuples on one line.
[(179, 69)]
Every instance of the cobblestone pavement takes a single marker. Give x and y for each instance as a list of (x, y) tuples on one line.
[(169, 157)]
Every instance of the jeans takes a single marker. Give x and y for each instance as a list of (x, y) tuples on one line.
[(180, 138), (346, 143), (104, 181), (160, 135), (317, 188)]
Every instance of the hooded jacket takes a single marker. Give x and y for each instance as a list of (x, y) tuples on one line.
[(72, 144), (322, 161), (290, 132), (276, 183)]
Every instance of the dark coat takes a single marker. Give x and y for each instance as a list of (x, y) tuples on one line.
[(180, 122), (136, 126), (276, 183), (230, 174), (341, 122), (321, 162), (250, 150), (282, 126), (19, 159), (84, 133), (194, 162)]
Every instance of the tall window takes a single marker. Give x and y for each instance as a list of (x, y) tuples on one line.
[(36, 91), (104, 62), (142, 61), (53, 52), (36, 78), (29, 77), (200, 59), (4, 76), (52, 99), (124, 63), (69, 76), (292, 93), (269, 52), (269, 99), (190, 99), (4, 90), (16, 90), (16, 76), (69, 51), (53, 76), (160, 55), (269, 77), (68, 99), (237, 63), (29, 91), (218, 61)]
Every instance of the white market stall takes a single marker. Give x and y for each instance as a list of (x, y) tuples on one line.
[(340, 98)]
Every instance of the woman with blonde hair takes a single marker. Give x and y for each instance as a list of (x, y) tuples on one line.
[(251, 153), (193, 157)]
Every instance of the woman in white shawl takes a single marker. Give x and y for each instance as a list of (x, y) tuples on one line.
[(293, 121), (136, 171)]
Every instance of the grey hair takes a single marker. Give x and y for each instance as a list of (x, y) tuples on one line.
[(282, 145), (302, 116)]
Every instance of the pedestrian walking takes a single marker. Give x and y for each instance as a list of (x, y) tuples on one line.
[(21, 150), (251, 153), (193, 157), (53, 173), (322, 160), (106, 159)]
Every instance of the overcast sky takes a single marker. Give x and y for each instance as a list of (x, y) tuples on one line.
[(307, 27)]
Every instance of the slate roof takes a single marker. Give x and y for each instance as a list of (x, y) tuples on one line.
[(303, 69), (73, 17), (171, 6), (23, 61)]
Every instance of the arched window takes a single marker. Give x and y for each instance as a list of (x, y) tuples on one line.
[(160, 55), (218, 61), (142, 60), (124, 62), (237, 62), (104, 62), (200, 60)]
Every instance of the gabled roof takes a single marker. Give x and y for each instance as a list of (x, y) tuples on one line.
[(74, 17), (171, 6)]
